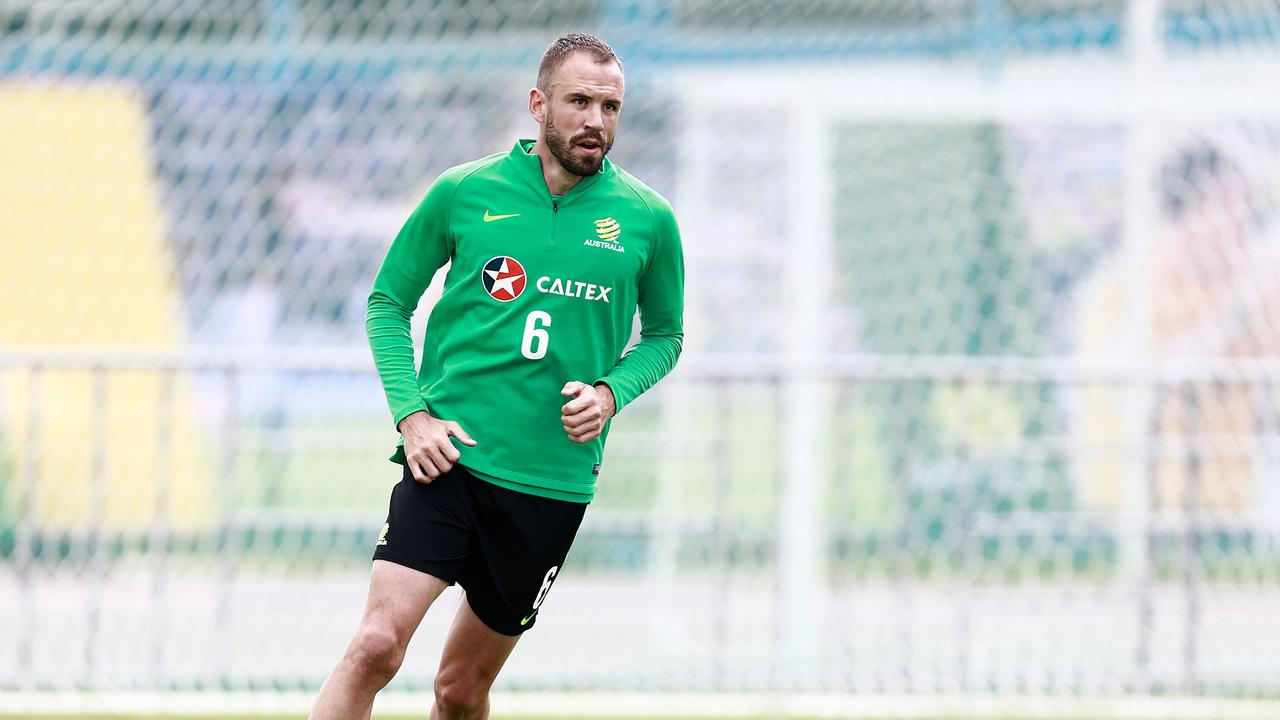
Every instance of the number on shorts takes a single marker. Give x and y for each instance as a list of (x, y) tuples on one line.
[(546, 586)]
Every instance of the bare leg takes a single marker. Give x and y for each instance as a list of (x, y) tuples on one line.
[(398, 598), (473, 655)]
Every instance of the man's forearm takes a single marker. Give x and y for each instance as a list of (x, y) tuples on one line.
[(391, 342), (647, 363)]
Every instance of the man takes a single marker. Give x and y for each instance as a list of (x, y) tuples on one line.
[(553, 248)]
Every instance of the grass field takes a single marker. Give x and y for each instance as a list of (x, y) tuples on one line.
[(1254, 712), (1044, 715), (654, 706), (494, 718), (376, 716), (759, 707)]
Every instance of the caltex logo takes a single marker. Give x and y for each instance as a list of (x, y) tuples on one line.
[(503, 278)]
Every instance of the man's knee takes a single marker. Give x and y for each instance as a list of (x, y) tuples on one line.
[(376, 654), (460, 693)]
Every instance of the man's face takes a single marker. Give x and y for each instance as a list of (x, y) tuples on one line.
[(580, 112)]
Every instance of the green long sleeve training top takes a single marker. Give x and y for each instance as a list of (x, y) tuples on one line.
[(541, 290)]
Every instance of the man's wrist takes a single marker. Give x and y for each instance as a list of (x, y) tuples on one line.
[(603, 387), (406, 418)]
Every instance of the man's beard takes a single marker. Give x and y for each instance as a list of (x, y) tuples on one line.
[(563, 149)]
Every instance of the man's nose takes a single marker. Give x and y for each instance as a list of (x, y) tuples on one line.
[(595, 118)]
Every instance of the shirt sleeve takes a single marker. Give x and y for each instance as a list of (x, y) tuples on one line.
[(661, 303), (421, 248)]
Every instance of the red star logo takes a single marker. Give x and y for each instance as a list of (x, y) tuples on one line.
[(504, 278)]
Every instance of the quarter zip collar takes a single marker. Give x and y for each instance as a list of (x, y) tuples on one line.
[(531, 169)]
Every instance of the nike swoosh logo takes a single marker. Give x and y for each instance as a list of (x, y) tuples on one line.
[(526, 620), (491, 218)]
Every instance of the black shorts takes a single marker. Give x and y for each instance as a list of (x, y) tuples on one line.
[(503, 547)]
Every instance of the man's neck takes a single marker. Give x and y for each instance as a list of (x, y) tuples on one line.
[(559, 181)]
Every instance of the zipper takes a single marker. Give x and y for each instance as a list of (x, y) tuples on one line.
[(555, 213)]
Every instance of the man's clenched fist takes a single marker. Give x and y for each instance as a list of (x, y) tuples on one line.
[(585, 415)]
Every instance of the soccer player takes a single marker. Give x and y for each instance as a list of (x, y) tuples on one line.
[(553, 248)]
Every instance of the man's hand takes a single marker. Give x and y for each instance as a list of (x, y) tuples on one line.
[(427, 450), (585, 415)]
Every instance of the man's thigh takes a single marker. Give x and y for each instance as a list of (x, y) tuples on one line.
[(474, 652), (398, 599)]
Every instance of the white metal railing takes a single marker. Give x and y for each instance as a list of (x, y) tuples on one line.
[(1123, 615), (729, 366)]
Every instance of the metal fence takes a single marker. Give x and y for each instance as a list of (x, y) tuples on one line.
[(950, 547)]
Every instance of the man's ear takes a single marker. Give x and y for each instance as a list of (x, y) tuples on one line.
[(537, 104)]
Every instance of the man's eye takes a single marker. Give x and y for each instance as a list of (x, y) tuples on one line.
[(580, 101)]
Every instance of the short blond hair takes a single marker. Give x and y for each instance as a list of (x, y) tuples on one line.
[(566, 45)]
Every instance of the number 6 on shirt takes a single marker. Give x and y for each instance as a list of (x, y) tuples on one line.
[(536, 339)]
